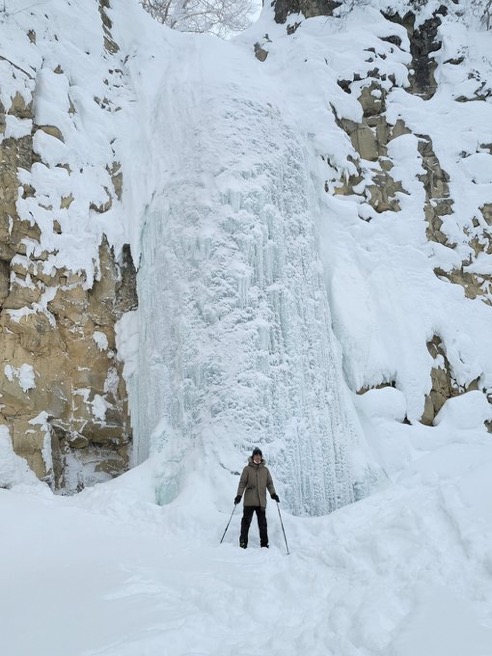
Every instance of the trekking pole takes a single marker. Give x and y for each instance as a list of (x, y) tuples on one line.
[(232, 513), (283, 529)]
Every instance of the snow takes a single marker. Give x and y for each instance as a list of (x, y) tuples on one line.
[(24, 374), (99, 407), (101, 340), (13, 469), (403, 572), (265, 305)]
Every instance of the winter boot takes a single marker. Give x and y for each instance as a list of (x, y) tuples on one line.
[(243, 544)]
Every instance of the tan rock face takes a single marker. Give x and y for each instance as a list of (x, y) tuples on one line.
[(444, 386), (62, 394), (63, 362), (438, 205), (370, 139)]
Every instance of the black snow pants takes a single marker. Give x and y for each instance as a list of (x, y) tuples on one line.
[(248, 512)]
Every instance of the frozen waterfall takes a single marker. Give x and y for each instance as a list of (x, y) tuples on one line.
[(235, 340)]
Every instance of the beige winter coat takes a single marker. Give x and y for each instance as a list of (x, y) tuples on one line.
[(254, 482)]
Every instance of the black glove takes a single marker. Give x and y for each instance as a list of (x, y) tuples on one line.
[(275, 498), (237, 499)]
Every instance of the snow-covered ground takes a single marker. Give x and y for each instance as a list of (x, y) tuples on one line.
[(405, 572), (208, 137)]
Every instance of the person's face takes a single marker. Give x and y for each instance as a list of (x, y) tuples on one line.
[(257, 458)]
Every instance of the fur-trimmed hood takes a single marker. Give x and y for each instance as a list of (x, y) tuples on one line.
[(252, 462)]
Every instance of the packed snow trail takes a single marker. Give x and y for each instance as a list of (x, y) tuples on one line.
[(235, 345)]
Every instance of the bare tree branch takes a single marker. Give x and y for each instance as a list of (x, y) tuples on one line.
[(220, 17)]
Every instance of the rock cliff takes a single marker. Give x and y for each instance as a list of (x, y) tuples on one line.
[(62, 395)]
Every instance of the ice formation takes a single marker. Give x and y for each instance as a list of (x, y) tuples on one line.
[(233, 309)]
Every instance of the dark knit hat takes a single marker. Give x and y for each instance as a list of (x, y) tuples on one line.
[(256, 452)]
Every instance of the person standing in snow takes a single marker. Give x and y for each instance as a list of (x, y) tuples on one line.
[(254, 482)]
